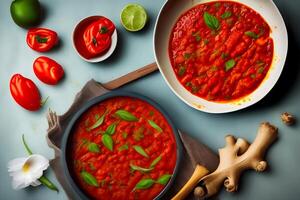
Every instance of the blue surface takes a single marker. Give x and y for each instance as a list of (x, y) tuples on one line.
[(282, 181)]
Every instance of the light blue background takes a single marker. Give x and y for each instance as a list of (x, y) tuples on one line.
[(134, 50)]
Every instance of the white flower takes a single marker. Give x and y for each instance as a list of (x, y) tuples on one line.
[(27, 171)]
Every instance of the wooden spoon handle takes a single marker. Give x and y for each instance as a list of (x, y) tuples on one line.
[(131, 76), (199, 173)]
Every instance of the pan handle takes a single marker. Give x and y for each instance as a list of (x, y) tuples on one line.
[(199, 173), (114, 84)]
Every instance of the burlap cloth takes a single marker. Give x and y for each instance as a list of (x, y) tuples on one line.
[(193, 150)]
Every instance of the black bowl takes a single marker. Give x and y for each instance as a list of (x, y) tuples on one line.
[(64, 158)]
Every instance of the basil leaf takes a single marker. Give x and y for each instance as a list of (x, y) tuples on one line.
[(124, 135), (98, 123), (108, 141), (40, 39), (140, 169), (89, 179), (140, 150), (103, 30), (123, 147), (181, 70), (164, 179), (260, 70), (229, 64), (155, 161), (211, 21), (154, 125), (251, 34), (138, 134), (111, 129), (125, 115), (93, 147), (144, 184), (226, 15), (187, 55)]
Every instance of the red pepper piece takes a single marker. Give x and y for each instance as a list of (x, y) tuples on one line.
[(41, 39), (48, 70), (25, 92)]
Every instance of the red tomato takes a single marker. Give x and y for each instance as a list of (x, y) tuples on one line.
[(41, 39), (48, 70), (97, 36), (25, 92)]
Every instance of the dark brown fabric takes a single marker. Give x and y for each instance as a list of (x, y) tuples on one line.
[(193, 152)]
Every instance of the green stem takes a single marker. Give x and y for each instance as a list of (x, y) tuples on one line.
[(44, 180)]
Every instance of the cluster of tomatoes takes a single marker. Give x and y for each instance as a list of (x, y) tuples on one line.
[(47, 70)]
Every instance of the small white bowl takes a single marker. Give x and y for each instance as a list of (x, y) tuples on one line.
[(86, 22)]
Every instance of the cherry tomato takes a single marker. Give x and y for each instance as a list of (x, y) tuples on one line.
[(97, 36), (48, 70), (25, 92), (41, 39)]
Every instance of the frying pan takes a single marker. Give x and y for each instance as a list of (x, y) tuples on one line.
[(168, 16)]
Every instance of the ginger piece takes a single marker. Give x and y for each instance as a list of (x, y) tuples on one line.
[(236, 157), (288, 118)]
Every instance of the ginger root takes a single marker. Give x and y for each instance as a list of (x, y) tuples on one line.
[(236, 157)]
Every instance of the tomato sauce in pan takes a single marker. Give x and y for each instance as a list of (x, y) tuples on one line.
[(122, 148), (221, 51)]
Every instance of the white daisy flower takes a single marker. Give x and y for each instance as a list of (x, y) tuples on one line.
[(27, 171)]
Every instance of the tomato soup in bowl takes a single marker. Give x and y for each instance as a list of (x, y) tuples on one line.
[(121, 146), (220, 56)]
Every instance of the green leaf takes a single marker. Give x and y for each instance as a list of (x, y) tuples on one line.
[(127, 116), (260, 70), (93, 147), (111, 129), (140, 169), (211, 21), (217, 5), (229, 64), (155, 161), (108, 141), (251, 34), (181, 70), (197, 36), (98, 123), (89, 179), (144, 184), (140, 150), (103, 30), (138, 134), (226, 15), (206, 41), (124, 135), (164, 179), (123, 147), (187, 55), (155, 126), (40, 39), (224, 55)]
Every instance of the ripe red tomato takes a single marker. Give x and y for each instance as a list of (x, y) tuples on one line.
[(48, 70), (97, 36), (41, 39), (25, 92)]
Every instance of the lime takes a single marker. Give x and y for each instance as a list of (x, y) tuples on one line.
[(26, 13), (133, 17)]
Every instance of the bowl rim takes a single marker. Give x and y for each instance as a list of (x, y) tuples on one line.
[(66, 173), (201, 107), (102, 57)]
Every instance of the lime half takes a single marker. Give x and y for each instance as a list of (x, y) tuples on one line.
[(133, 17)]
